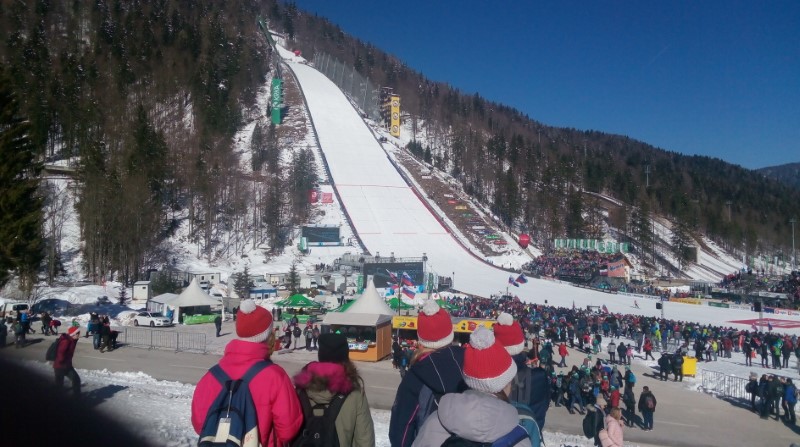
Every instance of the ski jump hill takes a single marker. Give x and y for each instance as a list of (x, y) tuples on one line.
[(389, 217)]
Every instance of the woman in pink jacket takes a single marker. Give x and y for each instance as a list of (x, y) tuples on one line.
[(279, 412), (611, 436)]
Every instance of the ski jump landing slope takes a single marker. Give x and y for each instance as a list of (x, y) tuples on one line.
[(390, 218)]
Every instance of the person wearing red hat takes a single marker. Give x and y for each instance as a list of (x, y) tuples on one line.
[(482, 413), (279, 412), (435, 371), (62, 365)]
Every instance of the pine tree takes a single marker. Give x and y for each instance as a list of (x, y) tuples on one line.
[(242, 284), (294, 278), (21, 240), (123, 295)]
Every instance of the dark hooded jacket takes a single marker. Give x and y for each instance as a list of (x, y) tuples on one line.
[(440, 370)]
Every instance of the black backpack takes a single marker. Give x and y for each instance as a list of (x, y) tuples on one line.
[(591, 422), (52, 351), (511, 438), (318, 430), (232, 420)]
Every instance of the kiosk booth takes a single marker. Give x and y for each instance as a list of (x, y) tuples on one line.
[(367, 324)]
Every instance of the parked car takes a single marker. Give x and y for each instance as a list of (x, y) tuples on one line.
[(102, 301), (151, 319)]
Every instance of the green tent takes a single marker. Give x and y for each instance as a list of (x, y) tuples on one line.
[(445, 305), (297, 301), (395, 302)]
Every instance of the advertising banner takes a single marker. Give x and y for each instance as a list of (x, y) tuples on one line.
[(616, 269), (694, 301), (461, 325), (394, 124)]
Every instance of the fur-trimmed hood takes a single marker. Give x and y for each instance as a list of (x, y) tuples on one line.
[(332, 374)]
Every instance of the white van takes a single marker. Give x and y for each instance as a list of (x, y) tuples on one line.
[(12, 308)]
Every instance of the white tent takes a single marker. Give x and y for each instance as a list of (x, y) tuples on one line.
[(192, 296), (370, 302)]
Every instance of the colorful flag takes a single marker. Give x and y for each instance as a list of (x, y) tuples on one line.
[(769, 325), (393, 276), (605, 309), (408, 292), (754, 327), (512, 282), (522, 279), (407, 280)]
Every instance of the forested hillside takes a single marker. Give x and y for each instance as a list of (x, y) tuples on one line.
[(788, 174), (143, 98)]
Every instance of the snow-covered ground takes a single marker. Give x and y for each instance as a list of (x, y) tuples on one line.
[(161, 411)]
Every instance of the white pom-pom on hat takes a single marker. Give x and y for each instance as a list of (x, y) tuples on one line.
[(430, 308), (505, 319), (481, 338), (247, 306)]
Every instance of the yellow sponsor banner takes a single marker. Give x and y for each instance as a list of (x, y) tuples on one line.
[(470, 324), (404, 322), (462, 325), (394, 121), (461, 207), (687, 300)]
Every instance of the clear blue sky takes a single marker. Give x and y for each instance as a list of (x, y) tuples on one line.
[(716, 78)]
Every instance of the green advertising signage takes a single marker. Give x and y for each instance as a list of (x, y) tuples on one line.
[(593, 245), (277, 100)]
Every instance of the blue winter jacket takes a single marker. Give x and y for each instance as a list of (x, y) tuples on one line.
[(441, 372)]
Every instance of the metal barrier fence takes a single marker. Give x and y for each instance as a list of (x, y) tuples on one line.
[(158, 339), (358, 88), (726, 385)]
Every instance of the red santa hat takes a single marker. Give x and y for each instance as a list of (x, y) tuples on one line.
[(253, 322), (509, 333), (434, 327), (488, 367), (74, 330)]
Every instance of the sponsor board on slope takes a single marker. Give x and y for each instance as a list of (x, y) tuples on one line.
[(695, 301), (765, 322)]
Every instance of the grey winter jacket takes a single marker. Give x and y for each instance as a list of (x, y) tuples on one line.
[(472, 415)]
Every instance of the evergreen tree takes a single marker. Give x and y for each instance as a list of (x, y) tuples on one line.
[(123, 295), (681, 240), (21, 240), (294, 278), (242, 284)]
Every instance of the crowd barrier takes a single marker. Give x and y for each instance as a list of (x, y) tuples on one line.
[(158, 339), (725, 385)]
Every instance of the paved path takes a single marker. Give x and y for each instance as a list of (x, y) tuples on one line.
[(683, 417)]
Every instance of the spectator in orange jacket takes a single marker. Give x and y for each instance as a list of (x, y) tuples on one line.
[(279, 414)]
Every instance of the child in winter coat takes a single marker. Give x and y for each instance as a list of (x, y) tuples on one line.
[(611, 435)]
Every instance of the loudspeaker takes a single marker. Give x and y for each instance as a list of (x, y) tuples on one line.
[(659, 306), (757, 306)]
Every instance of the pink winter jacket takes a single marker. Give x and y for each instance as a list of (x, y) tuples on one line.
[(612, 435), (279, 411)]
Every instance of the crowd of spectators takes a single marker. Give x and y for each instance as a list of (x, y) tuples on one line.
[(571, 265), (760, 281)]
